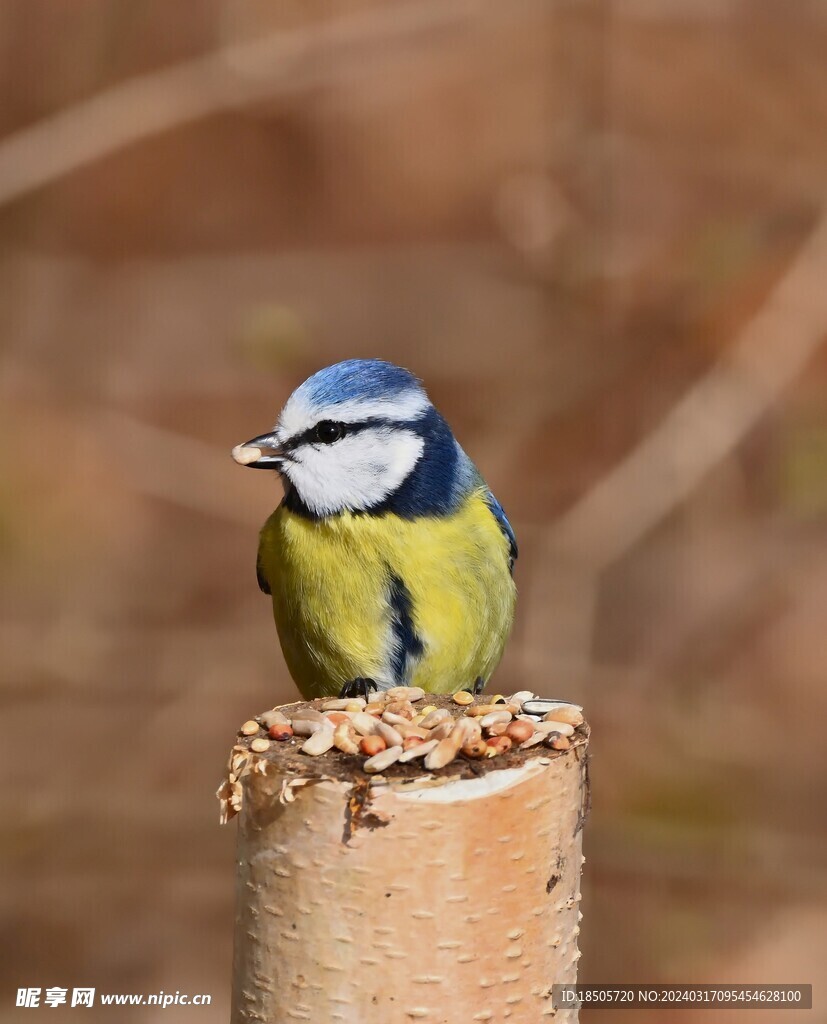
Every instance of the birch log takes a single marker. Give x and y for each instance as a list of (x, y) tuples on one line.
[(439, 899)]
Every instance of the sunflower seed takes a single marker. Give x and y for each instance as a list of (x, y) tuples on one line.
[(307, 715), (408, 729), (274, 717), (343, 705), (565, 713), (521, 696), (303, 727), (546, 727), (319, 742), (562, 727), (435, 717), (533, 740), (411, 693), (394, 720), (542, 705), (420, 750), (379, 762), (443, 729), (390, 735), (364, 724), (495, 718), (465, 730)]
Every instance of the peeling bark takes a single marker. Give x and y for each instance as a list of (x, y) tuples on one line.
[(426, 899)]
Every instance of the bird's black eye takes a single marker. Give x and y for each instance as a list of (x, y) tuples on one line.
[(327, 431)]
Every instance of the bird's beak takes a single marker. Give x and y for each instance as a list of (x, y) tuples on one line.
[(262, 452)]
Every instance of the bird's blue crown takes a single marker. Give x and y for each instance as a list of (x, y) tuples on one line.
[(358, 380)]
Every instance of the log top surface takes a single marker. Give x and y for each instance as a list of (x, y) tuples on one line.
[(286, 759)]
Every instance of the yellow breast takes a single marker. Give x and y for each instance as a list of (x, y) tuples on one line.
[(333, 597)]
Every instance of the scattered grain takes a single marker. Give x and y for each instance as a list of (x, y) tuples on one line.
[(521, 696), (274, 717), (379, 762), (372, 745), (562, 727), (340, 704), (419, 750), (571, 714), (411, 693), (532, 740), (307, 714), (443, 729), (304, 727), (436, 716), (400, 708), (344, 738), (393, 719), (558, 742), (519, 732), (463, 697), (280, 731), (364, 724), (319, 743), (480, 710), (391, 736), (495, 718)]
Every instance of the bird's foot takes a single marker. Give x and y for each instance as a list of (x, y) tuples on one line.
[(479, 686), (358, 687)]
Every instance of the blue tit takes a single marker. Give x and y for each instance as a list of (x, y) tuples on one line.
[(389, 561)]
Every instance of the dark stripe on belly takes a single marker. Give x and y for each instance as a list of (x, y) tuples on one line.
[(263, 582), (408, 645)]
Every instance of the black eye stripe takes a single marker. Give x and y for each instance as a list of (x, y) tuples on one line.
[(309, 436), (322, 433)]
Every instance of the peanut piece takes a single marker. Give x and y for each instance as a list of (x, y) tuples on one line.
[(280, 731), (519, 732), (372, 745)]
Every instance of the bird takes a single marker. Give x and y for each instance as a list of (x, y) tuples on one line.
[(389, 561)]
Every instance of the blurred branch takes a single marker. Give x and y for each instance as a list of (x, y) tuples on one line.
[(183, 470), (278, 64), (708, 423)]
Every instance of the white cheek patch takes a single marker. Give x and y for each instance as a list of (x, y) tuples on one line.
[(300, 415), (356, 473)]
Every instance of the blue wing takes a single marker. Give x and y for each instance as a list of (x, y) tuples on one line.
[(505, 526)]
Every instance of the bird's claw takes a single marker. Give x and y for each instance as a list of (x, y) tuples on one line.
[(358, 687), (479, 686)]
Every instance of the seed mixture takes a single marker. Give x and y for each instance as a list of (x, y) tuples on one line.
[(403, 732)]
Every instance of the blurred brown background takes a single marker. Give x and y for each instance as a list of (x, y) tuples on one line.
[(596, 228)]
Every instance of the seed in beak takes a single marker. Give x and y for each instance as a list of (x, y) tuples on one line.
[(245, 454)]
